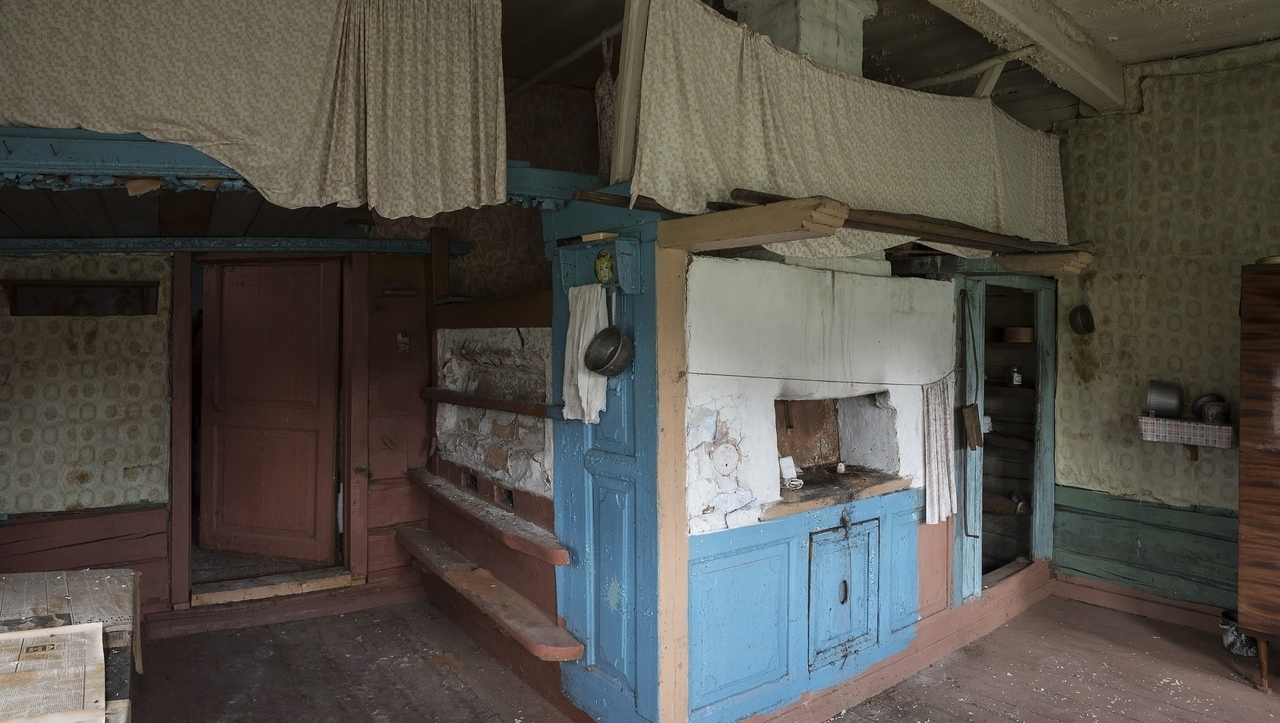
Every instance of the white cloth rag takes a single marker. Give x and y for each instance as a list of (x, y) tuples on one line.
[(584, 390), (939, 450)]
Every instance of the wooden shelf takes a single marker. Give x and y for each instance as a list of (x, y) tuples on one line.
[(1001, 389), (999, 440), (1012, 345), (515, 614), (506, 527), (437, 394)]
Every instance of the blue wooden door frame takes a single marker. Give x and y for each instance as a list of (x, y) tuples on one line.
[(971, 301)]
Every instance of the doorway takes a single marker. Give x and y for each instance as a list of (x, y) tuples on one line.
[(265, 401)]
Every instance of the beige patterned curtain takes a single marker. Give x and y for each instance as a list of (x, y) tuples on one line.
[(723, 108), (394, 104)]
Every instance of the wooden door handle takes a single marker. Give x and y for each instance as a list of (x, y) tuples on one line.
[(844, 591)]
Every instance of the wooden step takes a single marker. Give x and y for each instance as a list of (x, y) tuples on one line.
[(521, 619), (508, 528)]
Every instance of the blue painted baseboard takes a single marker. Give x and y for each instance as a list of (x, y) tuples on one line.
[(1180, 553)]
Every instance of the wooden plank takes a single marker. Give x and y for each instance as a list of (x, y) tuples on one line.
[(521, 619), (66, 214), (1066, 55), (1136, 602), (355, 400), (273, 220), (395, 502), (32, 212), (635, 28), (530, 310), (670, 274), (260, 588), (88, 206), (133, 216), (515, 532), (384, 552), (185, 213), (232, 213), (386, 587), (84, 540), (180, 460), (439, 237), (1045, 475), (925, 228), (642, 203), (789, 220), (7, 227), (436, 394)]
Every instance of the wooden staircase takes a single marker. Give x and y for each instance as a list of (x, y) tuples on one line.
[(517, 550)]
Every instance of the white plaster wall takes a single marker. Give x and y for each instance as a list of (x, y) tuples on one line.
[(761, 331), (513, 364)]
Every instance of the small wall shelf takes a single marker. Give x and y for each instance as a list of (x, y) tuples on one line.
[(1187, 432), (40, 297)]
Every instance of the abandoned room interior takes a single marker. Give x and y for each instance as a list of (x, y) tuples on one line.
[(640, 360)]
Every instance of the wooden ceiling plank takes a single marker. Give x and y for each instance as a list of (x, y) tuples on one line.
[(333, 221), (232, 213), (76, 228), (276, 221), (88, 205), (8, 229), (185, 213), (1070, 56), (133, 216), (32, 212)]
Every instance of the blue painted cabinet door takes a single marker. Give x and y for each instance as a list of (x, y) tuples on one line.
[(843, 591)]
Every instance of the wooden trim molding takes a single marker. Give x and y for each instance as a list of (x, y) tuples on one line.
[(673, 538), (355, 408), (180, 459)]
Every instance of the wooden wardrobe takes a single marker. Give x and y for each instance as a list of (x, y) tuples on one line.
[(1259, 570)]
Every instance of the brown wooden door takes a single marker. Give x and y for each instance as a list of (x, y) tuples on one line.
[(269, 407)]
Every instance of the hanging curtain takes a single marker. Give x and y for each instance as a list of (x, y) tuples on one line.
[(395, 104), (723, 108)]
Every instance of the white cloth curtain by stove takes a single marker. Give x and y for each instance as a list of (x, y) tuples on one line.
[(394, 104), (940, 500), (723, 108), (584, 390)]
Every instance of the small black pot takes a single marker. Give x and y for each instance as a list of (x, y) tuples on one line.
[(1081, 320)]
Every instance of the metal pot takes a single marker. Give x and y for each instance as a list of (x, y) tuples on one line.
[(1081, 320), (610, 351), (1164, 399)]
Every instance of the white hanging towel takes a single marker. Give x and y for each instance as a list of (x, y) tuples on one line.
[(583, 390), (939, 450)]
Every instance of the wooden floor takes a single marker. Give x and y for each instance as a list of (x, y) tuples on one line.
[(397, 663), (1064, 660)]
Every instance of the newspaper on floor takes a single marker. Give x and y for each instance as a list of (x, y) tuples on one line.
[(53, 675)]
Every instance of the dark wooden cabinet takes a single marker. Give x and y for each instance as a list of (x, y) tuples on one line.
[(1259, 539)]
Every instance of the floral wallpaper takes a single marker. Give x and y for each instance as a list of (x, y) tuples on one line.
[(1176, 198), (84, 401)]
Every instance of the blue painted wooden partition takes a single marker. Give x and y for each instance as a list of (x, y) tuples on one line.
[(800, 603), (605, 491), (971, 293)]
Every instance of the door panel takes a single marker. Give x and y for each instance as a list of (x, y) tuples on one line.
[(843, 591), (269, 409)]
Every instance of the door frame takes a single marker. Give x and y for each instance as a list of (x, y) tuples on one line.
[(353, 415), (971, 306)]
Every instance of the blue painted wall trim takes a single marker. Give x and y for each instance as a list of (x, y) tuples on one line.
[(96, 158), (1180, 553), (751, 596), (199, 244)]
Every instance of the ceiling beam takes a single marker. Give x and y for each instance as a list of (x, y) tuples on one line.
[(1066, 55), (789, 220)]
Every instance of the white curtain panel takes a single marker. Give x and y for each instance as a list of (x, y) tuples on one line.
[(723, 108), (940, 498), (394, 104)]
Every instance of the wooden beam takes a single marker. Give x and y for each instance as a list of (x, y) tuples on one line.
[(987, 83), (1067, 55), (924, 228), (944, 266), (635, 26), (970, 70), (530, 310), (448, 396), (789, 220), (581, 50), (643, 203)]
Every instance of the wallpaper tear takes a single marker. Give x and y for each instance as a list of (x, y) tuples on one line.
[(1176, 199), (84, 401)]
